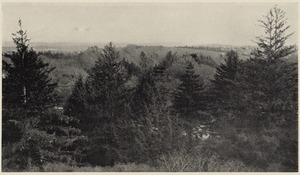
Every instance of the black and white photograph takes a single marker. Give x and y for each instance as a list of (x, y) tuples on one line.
[(141, 86)]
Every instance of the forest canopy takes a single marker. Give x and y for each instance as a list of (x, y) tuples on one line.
[(155, 108)]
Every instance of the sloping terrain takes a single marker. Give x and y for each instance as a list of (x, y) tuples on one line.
[(71, 65)]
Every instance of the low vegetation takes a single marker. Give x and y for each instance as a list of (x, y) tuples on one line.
[(138, 109)]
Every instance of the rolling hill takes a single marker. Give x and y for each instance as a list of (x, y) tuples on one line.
[(72, 64)]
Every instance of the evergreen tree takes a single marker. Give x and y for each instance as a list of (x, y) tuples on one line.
[(154, 125), (28, 76), (228, 70), (188, 96), (266, 72), (145, 62), (159, 70), (188, 102), (169, 59), (267, 89), (33, 132), (108, 82), (76, 104), (103, 100), (224, 79), (131, 68), (270, 107), (271, 46), (271, 53)]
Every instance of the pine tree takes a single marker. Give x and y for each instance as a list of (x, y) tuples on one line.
[(144, 62), (131, 68), (76, 102), (155, 127), (30, 124), (169, 59), (266, 72), (103, 99), (188, 97), (269, 104), (159, 70), (28, 76), (224, 79), (108, 80), (228, 70), (268, 88), (271, 46), (188, 102)]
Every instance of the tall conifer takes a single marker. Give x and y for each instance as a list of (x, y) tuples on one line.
[(33, 131)]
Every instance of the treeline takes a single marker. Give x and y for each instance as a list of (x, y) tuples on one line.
[(244, 119)]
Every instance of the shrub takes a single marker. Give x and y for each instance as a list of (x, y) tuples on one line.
[(196, 161), (119, 167), (131, 167), (57, 167)]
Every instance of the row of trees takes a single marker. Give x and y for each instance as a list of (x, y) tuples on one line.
[(107, 120)]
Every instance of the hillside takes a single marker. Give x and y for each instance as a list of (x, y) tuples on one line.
[(71, 65)]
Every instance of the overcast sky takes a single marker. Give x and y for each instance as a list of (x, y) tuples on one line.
[(165, 23)]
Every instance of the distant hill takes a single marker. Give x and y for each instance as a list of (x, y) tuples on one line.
[(57, 47), (71, 65), (71, 61), (66, 47)]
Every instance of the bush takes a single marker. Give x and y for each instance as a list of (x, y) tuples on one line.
[(195, 161), (62, 167), (57, 167), (131, 167), (265, 149), (119, 167)]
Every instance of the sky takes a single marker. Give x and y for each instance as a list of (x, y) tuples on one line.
[(143, 23)]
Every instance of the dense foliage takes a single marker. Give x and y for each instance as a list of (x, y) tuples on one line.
[(34, 132), (154, 114)]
